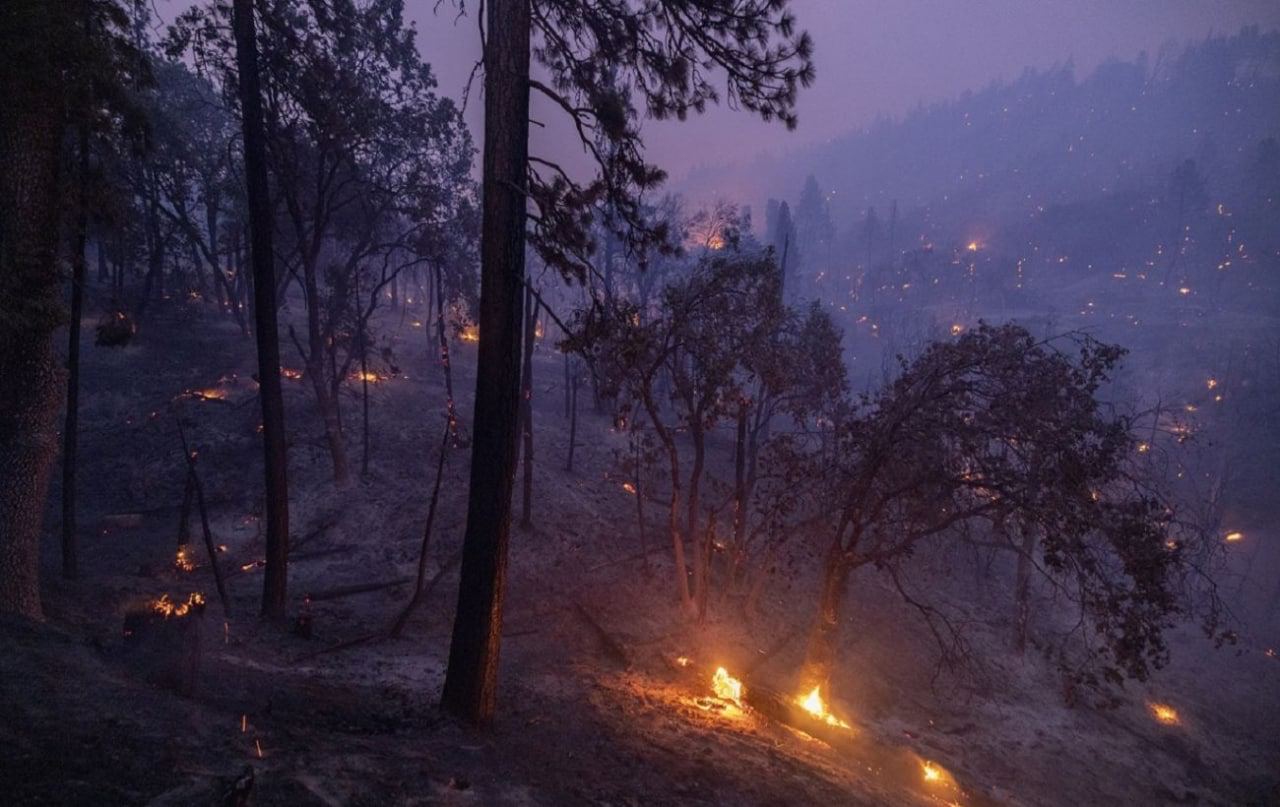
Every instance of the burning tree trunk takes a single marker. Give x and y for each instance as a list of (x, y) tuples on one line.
[(526, 408), (31, 127), (470, 686), (71, 428), (264, 291)]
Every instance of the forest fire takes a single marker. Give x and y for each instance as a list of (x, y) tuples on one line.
[(168, 608), (814, 705), (895, 433), (726, 686), (932, 773), (1164, 713)]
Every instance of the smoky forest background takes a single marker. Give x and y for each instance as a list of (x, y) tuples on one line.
[(370, 438)]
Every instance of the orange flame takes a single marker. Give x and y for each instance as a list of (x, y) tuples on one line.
[(1165, 713), (167, 607), (814, 705), (726, 686)]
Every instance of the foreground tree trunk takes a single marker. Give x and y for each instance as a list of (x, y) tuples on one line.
[(275, 455), (526, 408), (470, 685), (31, 128), (71, 426)]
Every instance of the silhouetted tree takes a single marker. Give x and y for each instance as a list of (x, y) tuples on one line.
[(664, 50)]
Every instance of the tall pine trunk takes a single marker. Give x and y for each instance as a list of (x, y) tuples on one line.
[(470, 685), (275, 456), (31, 129)]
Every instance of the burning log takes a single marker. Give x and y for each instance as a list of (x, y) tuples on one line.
[(162, 639), (800, 713)]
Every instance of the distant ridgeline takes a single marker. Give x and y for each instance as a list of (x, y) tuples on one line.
[(960, 169), (1141, 204)]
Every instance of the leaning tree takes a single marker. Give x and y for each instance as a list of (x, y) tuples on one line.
[(997, 427)]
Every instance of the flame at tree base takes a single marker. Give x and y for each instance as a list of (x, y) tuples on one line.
[(814, 705)]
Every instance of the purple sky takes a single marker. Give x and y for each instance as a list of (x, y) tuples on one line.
[(882, 56), (873, 57)]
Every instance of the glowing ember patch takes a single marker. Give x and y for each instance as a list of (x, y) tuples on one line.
[(290, 373), (167, 607), (1184, 291), (973, 246), (183, 561), (1232, 537), (726, 686), (629, 488), (1165, 713), (932, 773), (814, 705), (1211, 383), (1143, 448), (683, 661), (471, 333), (957, 329)]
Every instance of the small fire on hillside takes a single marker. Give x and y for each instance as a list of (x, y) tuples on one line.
[(814, 705), (1164, 713), (167, 607), (182, 561), (726, 686)]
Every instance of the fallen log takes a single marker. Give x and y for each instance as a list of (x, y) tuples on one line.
[(352, 590), (194, 480), (315, 554), (613, 649)]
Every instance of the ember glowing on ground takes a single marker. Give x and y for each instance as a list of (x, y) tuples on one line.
[(1165, 713)]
